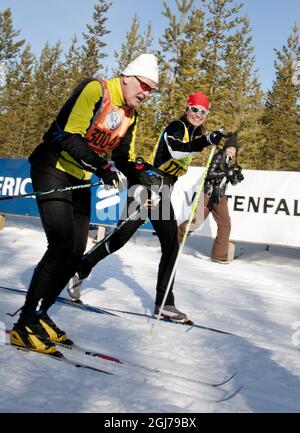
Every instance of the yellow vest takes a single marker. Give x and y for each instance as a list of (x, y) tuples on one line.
[(175, 167), (108, 127)]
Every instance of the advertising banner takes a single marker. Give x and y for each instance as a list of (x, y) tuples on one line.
[(264, 208)]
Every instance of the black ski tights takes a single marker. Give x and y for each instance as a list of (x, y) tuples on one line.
[(166, 230), (65, 217)]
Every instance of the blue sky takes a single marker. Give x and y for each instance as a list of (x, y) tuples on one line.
[(49, 20)]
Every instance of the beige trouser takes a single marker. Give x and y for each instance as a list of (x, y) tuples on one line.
[(221, 216)]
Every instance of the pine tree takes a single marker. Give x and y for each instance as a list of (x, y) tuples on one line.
[(131, 48), (240, 108), (72, 65), (137, 43), (9, 49), (177, 54), (147, 39), (9, 46), (182, 72), (220, 19), (92, 51), (50, 92), (281, 119), (16, 122), (216, 58), (148, 131)]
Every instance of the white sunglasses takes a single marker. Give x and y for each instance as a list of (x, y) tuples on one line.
[(198, 110)]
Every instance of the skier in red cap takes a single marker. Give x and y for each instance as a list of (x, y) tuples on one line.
[(171, 156)]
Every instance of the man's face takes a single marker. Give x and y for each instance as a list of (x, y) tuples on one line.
[(136, 89)]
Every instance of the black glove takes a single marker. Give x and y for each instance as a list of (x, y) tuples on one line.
[(112, 178), (147, 175), (239, 177), (215, 196), (238, 172), (230, 174), (150, 179), (215, 137)]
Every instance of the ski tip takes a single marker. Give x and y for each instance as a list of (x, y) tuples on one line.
[(189, 322), (56, 354), (225, 380), (67, 343), (231, 377), (231, 395), (77, 301)]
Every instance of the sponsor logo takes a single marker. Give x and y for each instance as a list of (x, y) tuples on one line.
[(113, 119), (13, 185)]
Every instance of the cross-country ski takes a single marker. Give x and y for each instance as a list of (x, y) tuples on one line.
[(196, 354)]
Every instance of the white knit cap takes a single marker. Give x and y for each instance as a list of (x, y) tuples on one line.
[(145, 65)]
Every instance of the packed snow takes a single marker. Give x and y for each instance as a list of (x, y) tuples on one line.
[(256, 297)]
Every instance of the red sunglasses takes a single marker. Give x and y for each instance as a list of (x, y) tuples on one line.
[(144, 86)]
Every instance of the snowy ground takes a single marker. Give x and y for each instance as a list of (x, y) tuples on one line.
[(256, 297)]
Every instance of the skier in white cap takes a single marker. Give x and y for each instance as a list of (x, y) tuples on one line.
[(99, 118), (141, 74)]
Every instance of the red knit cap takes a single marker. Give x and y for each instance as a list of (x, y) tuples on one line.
[(198, 98)]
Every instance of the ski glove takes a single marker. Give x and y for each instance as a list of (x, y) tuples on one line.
[(215, 137), (150, 180), (112, 178), (238, 173), (148, 175)]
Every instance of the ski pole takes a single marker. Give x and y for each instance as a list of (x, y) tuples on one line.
[(194, 208), (61, 189), (139, 208), (152, 201), (117, 228)]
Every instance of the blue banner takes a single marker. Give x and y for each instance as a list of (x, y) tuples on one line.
[(15, 179)]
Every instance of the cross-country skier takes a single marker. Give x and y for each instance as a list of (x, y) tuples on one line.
[(98, 118), (172, 155)]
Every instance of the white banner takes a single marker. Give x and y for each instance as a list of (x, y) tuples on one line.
[(264, 208)]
